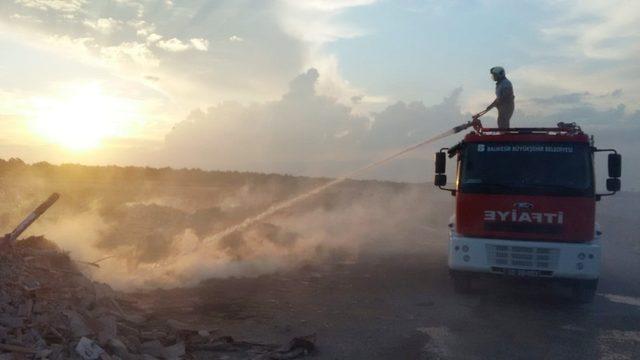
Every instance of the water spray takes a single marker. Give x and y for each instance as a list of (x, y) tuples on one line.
[(291, 202)]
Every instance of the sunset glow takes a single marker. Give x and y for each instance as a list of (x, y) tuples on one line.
[(82, 120)]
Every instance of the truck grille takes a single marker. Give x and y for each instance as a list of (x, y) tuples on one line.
[(522, 257)]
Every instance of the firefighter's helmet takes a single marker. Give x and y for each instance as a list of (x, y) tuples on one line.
[(498, 71)]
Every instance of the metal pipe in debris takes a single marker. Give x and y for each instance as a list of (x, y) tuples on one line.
[(33, 216)]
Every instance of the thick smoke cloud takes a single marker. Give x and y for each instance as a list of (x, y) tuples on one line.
[(156, 227)]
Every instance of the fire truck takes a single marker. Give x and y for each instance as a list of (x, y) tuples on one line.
[(525, 201)]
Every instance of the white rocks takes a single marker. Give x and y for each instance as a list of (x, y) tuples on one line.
[(88, 349)]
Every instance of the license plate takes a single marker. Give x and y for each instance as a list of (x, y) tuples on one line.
[(522, 272)]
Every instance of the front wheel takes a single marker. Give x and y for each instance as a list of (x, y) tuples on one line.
[(584, 291)]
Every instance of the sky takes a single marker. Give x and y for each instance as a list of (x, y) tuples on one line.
[(314, 87)]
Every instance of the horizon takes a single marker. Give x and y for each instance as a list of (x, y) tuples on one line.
[(241, 172)]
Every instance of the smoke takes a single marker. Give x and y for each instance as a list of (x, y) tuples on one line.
[(293, 201), (157, 234), (338, 227), (76, 234)]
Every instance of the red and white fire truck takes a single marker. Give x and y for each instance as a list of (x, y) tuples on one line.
[(525, 203)]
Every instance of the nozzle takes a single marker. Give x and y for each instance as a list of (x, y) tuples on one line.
[(459, 128), (475, 123)]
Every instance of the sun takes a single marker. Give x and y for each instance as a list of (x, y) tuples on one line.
[(80, 121)]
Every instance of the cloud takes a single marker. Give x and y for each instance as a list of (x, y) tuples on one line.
[(616, 93), (317, 24), (572, 98), (200, 44), (308, 133), (25, 18), (586, 114), (154, 38), (103, 25), (605, 87), (67, 6), (331, 5), (316, 21), (302, 133), (234, 135), (174, 41), (580, 103), (130, 52), (582, 46), (174, 45), (600, 29), (194, 47), (412, 122)]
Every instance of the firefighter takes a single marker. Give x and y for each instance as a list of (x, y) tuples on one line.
[(504, 97)]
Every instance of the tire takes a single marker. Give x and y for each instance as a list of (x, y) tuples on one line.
[(584, 291), (461, 283)]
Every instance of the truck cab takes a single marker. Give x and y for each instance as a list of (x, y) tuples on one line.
[(525, 206)]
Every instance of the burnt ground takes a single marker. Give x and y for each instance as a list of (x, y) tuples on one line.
[(402, 306)]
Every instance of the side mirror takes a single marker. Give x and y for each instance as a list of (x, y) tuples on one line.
[(613, 184), (615, 167), (441, 162), (441, 180)]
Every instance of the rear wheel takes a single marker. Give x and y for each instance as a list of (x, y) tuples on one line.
[(584, 291), (461, 283)]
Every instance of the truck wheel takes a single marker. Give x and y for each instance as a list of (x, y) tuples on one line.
[(584, 291), (461, 283)]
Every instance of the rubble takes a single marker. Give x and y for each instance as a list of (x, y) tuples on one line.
[(50, 310), (88, 349)]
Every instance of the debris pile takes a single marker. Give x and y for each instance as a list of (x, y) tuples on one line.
[(50, 310)]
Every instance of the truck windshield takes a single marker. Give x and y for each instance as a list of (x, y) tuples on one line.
[(527, 168)]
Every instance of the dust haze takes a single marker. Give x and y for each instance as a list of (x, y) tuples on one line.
[(154, 227)]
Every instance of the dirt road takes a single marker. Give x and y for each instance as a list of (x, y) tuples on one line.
[(401, 306)]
